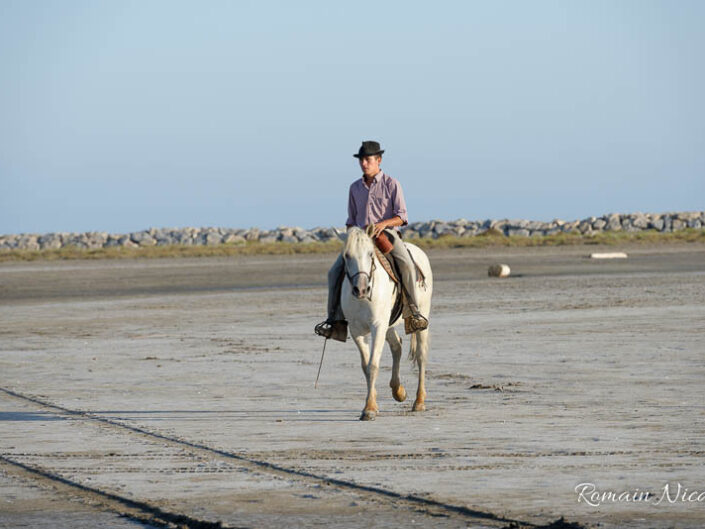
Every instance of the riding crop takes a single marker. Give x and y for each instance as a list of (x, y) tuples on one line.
[(315, 386)]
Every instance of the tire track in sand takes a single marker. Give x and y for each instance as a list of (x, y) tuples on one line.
[(148, 513)]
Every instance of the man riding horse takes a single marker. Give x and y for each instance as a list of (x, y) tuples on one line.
[(375, 199)]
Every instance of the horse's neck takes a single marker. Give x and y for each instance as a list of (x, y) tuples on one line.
[(381, 276)]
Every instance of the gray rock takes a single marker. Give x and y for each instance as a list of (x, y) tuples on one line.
[(113, 241), (183, 237), (213, 238), (678, 225), (667, 223), (28, 242), (326, 234), (441, 228), (232, 238), (190, 236), (614, 223), (520, 223), (536, 225), (599, 224), (426, 233), (657, 224), (585, 227), (252, 234), (79, 240), (94, 240), (640, 221), (51, 241), (165, 240), (685, 216), (499, 225), (142, 238), (570, 227), (302, 235)]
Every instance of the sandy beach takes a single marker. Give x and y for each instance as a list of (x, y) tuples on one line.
[(181, 391)]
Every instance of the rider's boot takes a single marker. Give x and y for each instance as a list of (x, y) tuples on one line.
[(334, 329), (407, 275), (415, 322)]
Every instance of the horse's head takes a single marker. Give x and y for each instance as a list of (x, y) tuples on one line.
[(359, 255)]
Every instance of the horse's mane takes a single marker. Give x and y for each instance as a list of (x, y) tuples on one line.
[(356, 241)]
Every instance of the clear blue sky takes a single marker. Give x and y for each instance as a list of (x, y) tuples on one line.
[(121, 115)]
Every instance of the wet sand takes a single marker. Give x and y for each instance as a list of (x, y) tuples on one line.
[(187, 385)]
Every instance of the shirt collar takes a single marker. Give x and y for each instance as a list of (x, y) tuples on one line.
[(376, 178)]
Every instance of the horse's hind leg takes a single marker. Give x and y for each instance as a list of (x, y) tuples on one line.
[(398, 391), (419, 353)]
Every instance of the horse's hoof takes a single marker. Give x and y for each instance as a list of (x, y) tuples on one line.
[(368, 415), (419, 406), (399, 393)]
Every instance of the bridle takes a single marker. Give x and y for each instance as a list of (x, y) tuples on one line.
[(351, 278)]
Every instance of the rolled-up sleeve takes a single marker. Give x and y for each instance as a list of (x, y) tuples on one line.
[(398, 203)]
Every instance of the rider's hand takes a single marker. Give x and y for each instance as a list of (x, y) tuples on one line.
[(379, 227)]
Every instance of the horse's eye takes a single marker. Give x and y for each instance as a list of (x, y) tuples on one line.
[(371, 254)]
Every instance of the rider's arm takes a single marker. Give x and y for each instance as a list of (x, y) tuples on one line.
[(398, 203), (387, 223)]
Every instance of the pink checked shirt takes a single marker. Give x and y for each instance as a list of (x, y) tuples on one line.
[(383, 200)]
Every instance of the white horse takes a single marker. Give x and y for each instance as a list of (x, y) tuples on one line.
[(367, 298)]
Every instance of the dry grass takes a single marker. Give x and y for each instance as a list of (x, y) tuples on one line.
[(488, 240), (612, 238)]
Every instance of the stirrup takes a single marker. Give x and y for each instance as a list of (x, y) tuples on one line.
[(335, 330), (415, 322)]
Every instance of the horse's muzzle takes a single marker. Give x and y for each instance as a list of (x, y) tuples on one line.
[(362, 288)]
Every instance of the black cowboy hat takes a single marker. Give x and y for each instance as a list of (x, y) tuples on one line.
[(368, 148)]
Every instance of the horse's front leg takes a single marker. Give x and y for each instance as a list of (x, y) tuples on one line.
[(377, 338), (398, 391), (364, 349)]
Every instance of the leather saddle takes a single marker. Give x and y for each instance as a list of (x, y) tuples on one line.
[(388, 265), (399, 301)]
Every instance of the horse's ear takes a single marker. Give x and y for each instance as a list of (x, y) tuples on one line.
[(370, 229)]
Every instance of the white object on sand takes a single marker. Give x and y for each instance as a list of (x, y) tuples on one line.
[(608, 255), (498, 270)]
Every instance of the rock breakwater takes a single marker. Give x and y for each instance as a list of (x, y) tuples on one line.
[(629, 222)]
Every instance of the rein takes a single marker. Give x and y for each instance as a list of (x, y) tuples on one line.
[(362, 272)]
